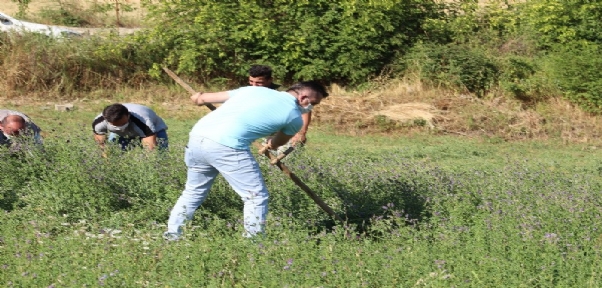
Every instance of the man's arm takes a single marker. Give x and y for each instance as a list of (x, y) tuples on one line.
[(201, 98), (278, 140), (300, 137), (150, 142), (100, 139)]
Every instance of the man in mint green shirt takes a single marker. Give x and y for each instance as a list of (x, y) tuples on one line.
[(261, 75), (220, 142)]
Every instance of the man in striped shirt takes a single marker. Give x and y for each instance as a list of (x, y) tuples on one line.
[(127, 122)]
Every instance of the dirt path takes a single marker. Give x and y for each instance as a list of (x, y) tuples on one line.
[(104, 31), (11, 8)]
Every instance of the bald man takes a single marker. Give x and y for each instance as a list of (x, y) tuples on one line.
[(14, 124)]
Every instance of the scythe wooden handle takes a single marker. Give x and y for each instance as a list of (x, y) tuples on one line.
[(272, 158), (298, 182), (185, 85), (282, 155)]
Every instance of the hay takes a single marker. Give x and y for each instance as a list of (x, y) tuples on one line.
[(409, 112), (349, 109)]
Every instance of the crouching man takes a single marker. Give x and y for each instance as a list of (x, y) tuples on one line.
[(15, 124), (220, 142), (130, 125)]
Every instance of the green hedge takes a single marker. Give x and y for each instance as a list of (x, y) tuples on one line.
[(575, 68), (342, 41)]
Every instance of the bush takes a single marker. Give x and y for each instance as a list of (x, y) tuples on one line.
[(553, 21), (344, 41), (518, 77), (575, 68), (453, 66)]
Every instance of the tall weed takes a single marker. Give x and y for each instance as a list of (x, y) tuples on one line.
[(35, 63)]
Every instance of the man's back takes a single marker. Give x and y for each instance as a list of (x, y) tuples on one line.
[(249, 114)]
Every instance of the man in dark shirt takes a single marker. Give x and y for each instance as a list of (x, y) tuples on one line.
[(261, 75)]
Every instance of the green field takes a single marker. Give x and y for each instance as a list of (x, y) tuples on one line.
[(423, 211)]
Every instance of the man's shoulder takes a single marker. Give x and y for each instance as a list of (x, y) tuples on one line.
[(6, 112), (140, 110), (274, 86), (9, 112), (136, 106)]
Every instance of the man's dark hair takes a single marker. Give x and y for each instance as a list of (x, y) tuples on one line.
[(115, 112), (313, 85), (260, 71)]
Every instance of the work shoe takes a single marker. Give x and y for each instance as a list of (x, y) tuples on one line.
[(171, 236)]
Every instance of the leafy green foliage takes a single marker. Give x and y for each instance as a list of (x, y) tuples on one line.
[(576, 70), (454, 66), (472, 47), (518, 76), (556, 21), (343, 41)]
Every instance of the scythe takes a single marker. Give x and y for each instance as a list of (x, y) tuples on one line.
[(273, 159)]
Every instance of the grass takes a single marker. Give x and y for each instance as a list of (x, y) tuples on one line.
[(514, 202), (424, 211)]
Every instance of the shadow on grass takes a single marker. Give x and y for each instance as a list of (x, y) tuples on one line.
[(404, 200)]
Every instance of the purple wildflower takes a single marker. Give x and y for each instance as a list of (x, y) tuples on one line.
[(551, 235), (439, 263)]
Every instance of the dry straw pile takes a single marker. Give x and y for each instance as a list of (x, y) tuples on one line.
[(407, 106)]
